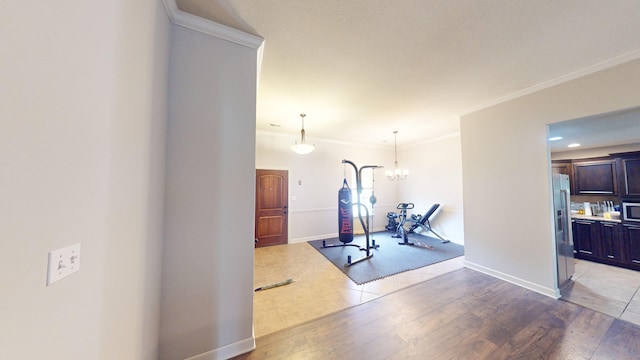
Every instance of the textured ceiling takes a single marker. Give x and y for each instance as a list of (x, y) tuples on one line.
[(362, 69)]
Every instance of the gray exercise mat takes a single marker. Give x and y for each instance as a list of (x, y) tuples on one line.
[(390, 258)]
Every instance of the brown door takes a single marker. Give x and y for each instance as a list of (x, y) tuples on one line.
[(272, 212)]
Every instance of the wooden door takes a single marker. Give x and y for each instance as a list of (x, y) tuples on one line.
[(272, 211)]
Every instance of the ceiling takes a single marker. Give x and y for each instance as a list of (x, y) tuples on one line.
[(601, 130), (361, 69)]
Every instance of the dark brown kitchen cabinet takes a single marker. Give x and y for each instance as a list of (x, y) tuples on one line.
[(595, 177), (563, 167), (629, 174), (585, 239), (611, 239), (631, 236), (607, 242)]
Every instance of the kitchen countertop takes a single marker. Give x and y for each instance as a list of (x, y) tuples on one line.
[(597, 218)]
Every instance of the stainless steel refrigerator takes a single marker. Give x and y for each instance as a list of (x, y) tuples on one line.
[(564, 237)]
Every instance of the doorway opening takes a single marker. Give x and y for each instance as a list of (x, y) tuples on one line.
[(596, 283)]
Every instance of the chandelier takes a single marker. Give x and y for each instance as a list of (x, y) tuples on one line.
[(302, 148), (397, 173)]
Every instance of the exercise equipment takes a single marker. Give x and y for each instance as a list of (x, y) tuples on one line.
[(392, 222), (345, 214), (419, 221), (345, 218), (397, 219), (372, 199), (401, 233), (364, 221)]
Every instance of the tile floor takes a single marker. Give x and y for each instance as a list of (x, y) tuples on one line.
[(607, 289), (319, 288)]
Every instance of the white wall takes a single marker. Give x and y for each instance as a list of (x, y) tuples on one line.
[(82, 113), (435, 176), (505, 160), (314, 181), (207, 268)]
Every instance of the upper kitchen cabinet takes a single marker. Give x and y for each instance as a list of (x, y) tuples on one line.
[(563, 167), (595, 177), (629, 174)]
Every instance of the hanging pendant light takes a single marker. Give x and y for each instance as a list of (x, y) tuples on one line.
[(397, 173), (302, 148)]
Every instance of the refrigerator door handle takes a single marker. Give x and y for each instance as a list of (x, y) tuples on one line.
[(567, 217)]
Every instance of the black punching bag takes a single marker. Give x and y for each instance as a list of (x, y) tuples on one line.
[(345, 214)]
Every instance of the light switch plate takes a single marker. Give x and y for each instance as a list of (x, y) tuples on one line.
[(63, 262)]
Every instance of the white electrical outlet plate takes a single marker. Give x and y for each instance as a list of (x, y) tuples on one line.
[(63, 262)]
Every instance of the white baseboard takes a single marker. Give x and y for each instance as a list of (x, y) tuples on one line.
[(227, 351), (553, 293), (311, 238), (329, 236)]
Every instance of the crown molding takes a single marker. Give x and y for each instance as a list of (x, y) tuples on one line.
[(432, 140), (181, 18), (618, 60), (321, 139)]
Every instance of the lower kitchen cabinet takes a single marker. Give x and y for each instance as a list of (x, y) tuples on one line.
[(631, 237), (607, 242), (612, 244), (586, 239)]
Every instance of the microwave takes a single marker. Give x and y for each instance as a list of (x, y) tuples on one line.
[(631, 212)]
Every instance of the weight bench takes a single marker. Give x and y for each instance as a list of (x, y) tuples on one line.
[(423, 222)]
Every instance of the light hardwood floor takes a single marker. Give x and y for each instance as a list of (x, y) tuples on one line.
[(321, 296), (319, 288), (462, 314)]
